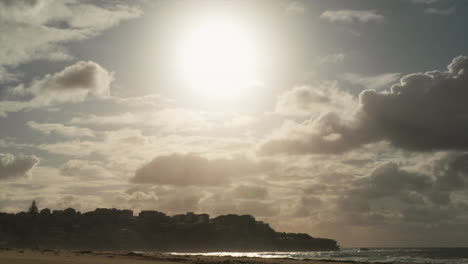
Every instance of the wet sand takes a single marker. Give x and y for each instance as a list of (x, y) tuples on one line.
[(13, 256)]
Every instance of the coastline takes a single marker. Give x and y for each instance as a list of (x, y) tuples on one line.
[(20, 256)]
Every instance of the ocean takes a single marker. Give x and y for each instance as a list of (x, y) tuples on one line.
[(413, 255)]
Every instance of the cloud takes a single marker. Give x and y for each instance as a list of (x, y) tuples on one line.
[(389, 179), (310, 100), (169, 120), (192, 169), (424, 112), (34, 30), (438, 11), (306, 205), (235, 201), (12, 166), (391, 187), (119, 119), (73, 84), (60, 129), (372, 82), (348, 16), (7, 76), (250, 192), (125, 142), (85, 169)]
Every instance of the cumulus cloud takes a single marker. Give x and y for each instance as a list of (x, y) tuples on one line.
[(348, 16), (310, 100), (424, 112), (73, 84), (12, 166), (192, 169), (60, 129)]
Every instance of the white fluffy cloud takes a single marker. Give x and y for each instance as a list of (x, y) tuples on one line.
[(348, 16), (12, 166)]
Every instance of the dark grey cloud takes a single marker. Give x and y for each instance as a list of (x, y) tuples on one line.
[(12, 166), (424, 112), (413, 194), (452, 172), (74, 83), (192, 169)]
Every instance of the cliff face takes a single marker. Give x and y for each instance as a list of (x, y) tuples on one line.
[(112, 229)]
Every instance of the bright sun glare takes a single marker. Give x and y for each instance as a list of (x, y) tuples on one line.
[(219, 58)]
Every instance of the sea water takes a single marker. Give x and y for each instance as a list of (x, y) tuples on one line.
[(384, 255)]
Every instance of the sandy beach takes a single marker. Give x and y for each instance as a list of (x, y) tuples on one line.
[(15, 256)]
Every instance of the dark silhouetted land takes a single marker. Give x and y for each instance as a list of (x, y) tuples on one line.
[(151, 231)]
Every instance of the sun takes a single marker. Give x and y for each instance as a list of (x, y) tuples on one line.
[(219, 58)]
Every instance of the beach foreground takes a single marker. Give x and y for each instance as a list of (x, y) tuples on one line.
[(87, 257)]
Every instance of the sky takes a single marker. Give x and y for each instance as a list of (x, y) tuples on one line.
[(341, 119)]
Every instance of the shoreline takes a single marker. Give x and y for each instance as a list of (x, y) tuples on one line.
[(27, 256)]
